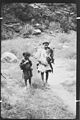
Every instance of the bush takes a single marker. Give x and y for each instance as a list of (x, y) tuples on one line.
[(65, 26), (54, 26), (6, 33), (24, 12), (27, 30)]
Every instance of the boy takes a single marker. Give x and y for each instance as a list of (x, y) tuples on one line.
[(25, 65), (49, 57), (45, 58)]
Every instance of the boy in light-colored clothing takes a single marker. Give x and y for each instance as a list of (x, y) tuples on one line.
[(44, 58)]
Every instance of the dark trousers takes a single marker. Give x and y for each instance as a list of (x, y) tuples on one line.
[(29, 81), (27, 76)]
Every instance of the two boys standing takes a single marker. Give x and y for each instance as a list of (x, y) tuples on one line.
[(44, 57)]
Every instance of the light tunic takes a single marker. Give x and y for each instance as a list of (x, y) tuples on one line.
[(41, 56)]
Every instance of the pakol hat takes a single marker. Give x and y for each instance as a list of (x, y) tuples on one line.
[(46, 43)]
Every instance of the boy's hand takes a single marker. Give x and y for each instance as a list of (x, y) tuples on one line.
[(25, 62)]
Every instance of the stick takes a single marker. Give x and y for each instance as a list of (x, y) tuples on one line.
[(3, 75)]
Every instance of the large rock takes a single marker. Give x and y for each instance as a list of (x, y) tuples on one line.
[(8, 57), (36, 32)]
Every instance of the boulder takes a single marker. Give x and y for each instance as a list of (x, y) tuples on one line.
[(36, 32), (8, 57)]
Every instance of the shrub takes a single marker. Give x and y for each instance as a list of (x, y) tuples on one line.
[(54, 26), (27, 29), (6, 33)]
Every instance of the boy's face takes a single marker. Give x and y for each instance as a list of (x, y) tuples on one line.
[(45, 46), (26, 57)]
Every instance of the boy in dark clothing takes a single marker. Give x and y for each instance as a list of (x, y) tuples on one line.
[(25, 65)]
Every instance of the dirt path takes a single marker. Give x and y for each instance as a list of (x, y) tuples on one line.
[(61, 75)]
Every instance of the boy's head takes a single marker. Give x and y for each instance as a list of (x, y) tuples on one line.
[(26, 54), (46, 44)]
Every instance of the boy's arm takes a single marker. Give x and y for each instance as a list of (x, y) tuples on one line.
[(23, 62), (52, 55), (30, 62)]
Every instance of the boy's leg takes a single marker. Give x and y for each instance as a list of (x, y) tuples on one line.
[(25, 82), (30, 81), (42, 76), (47, 74)]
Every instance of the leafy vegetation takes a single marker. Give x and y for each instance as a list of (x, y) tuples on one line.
[(42, 13)]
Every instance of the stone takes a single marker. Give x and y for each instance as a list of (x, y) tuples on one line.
[(8, 57)]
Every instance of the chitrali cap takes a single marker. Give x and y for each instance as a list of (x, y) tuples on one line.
[(46, 43), (26, 54)]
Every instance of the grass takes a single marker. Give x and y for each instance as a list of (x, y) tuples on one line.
[(71, 65), (65, 45), (18, 46), (37, 102), (70, 86), (32, 104)]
